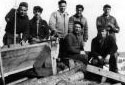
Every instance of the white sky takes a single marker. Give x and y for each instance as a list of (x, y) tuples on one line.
[(93, 8)]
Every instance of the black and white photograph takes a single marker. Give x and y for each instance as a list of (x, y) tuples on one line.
[(62, 42)]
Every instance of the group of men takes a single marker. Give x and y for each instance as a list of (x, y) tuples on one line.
[(71, 31)]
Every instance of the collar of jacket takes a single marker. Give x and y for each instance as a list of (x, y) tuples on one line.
[(64, 13), (78, 16), (76, 34), (35, 19), (103, 15)]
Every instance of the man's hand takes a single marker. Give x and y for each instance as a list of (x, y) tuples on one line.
[(36, 39), (110, 25), (108, 28), (82, 52), (24, 42), (107, 59), (99, 57)]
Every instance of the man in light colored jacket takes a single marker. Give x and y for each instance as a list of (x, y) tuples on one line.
[(59, 23), (59, 20)]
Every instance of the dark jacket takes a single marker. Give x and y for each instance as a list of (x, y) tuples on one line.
[(73, 44), (22, 24), (103, 21), (43, 29), (108, 46)]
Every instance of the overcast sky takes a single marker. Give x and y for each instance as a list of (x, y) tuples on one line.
[(93, 8)]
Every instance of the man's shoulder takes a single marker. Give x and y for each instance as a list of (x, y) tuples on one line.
[(112, 17), (70, 35), (83, 17), (101, 16), (72, 17), (95, 39), (42, 20), (55, 12)]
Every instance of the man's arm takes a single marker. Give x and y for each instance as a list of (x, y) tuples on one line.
[(112, 46), (94, 49), (70, 24), (114, 26), (85, 35), (53, 22), (98, 23), (26, 30), (10, 15), (46, 31)]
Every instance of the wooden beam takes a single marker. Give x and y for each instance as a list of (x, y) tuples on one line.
[(54, 56), (109, 74), (21, 58), (16, 71), (1, 69), (21, 47)]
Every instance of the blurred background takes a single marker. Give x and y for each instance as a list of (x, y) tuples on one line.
[(93, 9)]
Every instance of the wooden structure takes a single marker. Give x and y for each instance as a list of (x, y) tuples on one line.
[(20, 58), (109, 74)]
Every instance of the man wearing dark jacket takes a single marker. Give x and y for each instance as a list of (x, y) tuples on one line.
[(108, 22), (74, 44), (39, 29), (104, 50), (21, 25)]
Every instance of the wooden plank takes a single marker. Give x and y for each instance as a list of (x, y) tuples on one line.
[(121, 63), (109, 74), (21, 58), (19, 46), (18, 81), (54, 55), (1, 69)]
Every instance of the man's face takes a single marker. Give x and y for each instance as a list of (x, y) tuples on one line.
[(79, 11), (107, 11), (103, 33), (37, 14), (23, 11), (77, 28), (62, 7)]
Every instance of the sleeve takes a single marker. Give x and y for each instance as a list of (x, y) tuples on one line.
[(46, 30), (115, 28), (10, 15), (70, 47), (93, 49), (98, 23), (85, 36), (26, 30), (113, 46), (81, 44), (70, 24), (52, 22)]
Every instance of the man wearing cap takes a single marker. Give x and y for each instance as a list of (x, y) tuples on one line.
[(39, 29), (103, 50), (21, 24), (79, 17), (59, 23), (108, 22), (74, 44)]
